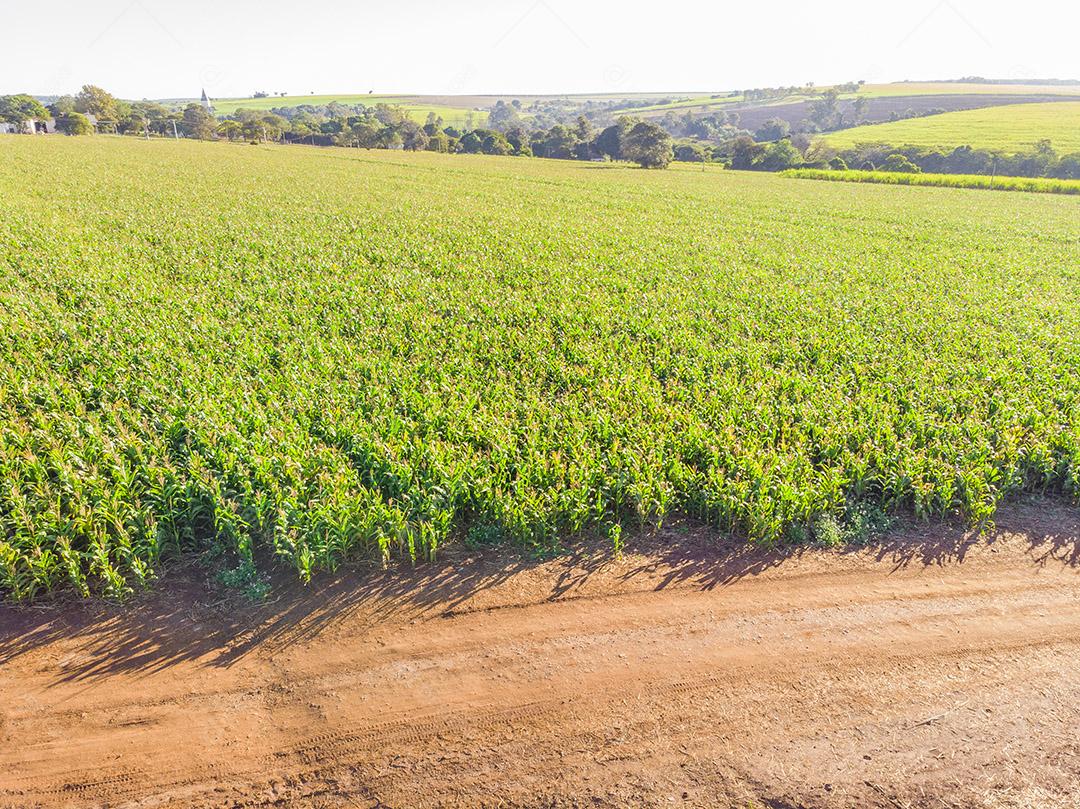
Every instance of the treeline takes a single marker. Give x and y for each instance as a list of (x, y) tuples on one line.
[(379, 127), (507, 133), (714, 137), (1040, 161), (983, 80)]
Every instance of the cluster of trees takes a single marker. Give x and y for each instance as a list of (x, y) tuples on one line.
[(743, 152), (72, 113), (800, 151), (716, 126), (808, 89), (21, 109)]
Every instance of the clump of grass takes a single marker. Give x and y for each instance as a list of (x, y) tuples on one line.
[(858, 525), (246, 579), (483, 536)]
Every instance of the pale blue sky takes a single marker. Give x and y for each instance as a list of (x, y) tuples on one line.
[(172, 48)]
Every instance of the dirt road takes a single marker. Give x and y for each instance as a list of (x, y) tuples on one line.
[(935, 669)]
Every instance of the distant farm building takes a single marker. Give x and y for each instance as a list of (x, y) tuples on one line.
[(46, 127), (28, 127)]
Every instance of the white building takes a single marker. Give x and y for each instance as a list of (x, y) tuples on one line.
[(46, 127)]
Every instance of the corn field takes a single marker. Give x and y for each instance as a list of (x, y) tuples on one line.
[(298, 357)]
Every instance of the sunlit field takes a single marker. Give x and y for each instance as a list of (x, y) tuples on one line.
[(1040, 185), (418, 109), (295, 356), (1009, 128)]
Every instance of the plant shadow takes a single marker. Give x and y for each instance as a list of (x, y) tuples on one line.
[(188, 618)]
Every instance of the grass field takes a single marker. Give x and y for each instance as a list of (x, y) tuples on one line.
[(696, 103), (454, 111), (1042, 185), (310, 355), (1009, 128), (417, 106), (958, 88), (704, 102)]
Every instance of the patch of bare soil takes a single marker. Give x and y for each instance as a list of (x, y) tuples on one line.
[(934, 669)]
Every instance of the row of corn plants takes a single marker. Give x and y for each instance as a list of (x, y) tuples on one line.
[(287, 357)]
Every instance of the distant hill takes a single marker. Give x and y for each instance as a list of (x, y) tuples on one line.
[(454, 113), (1009, 128)]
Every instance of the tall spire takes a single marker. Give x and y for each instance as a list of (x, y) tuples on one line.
[(206, 101)]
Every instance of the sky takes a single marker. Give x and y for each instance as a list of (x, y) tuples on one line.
[(175, 48)]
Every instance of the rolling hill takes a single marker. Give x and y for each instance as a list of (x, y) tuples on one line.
[(1009, 128), (454, 111)]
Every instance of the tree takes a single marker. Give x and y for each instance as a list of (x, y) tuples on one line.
[(304, 124), (332, 126), (1038, 162), (779, 156), (558, 142), (146, 115), (64, 105), (610, 141), (273, 125), (773, 129), (390, 116), (92, 100), (19, 109), (364, 134), (860, 106), (471, 143), (690, 153), (819, 152), (502, 115), (518, 138), (199, 123), (390, 138), (583, 129), (745, 153), (413, 136), (1068, 168), (825, 111), (230, 129), (649, 146), (434, 124), (899, 163), (75, 124), (497, 144), (438, 142)]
